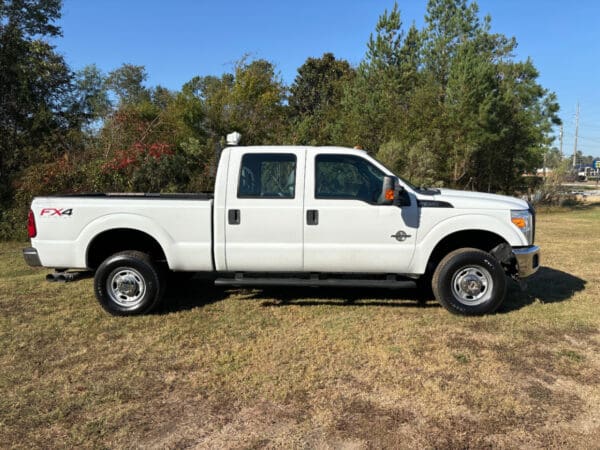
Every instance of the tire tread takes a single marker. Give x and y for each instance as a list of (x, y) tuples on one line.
[(138, 257), (444, 295)]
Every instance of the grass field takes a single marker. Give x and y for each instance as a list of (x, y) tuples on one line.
[(308, 368)]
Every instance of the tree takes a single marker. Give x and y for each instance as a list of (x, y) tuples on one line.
[(448, 24), (256, 103), (374, 104), (493, 119), (250, 101), (127, 83), (30, 17), (34, 88), (315, 98), (91, 94), (553, 158), (383, 49)]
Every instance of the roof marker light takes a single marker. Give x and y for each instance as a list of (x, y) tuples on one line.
[(234, 138)]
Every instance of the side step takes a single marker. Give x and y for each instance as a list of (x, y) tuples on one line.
[(307, 282)]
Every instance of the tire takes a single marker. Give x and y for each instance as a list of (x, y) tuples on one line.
[(469, 282), (129, 283)]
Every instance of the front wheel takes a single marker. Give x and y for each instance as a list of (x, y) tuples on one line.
[(128, 283), (469, 281)]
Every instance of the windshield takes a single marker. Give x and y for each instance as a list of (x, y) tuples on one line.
[(408, 183)]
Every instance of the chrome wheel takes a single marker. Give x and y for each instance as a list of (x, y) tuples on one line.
[(472, 285), (126, 287)]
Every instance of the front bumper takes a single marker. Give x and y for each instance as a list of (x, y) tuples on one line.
[(31, 257), (528, 260)]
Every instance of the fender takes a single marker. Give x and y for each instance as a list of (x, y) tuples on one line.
[(123, 220), (462, 222)]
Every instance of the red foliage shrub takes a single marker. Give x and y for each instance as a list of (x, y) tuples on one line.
[(136, 154)]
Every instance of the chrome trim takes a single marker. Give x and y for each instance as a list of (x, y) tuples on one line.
[(472, 285), (31, 257), (126, 287), (528, 260)]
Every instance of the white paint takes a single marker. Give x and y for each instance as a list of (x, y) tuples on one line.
[(351, 236)]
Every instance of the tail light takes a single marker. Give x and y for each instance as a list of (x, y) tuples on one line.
[(31, 230)]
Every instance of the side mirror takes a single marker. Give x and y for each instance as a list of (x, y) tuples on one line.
[(388, 190), (400, 196)]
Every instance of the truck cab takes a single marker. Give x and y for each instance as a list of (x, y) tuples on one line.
[(309, 209)]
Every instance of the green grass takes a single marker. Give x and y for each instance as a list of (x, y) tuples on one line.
[(308, 368)]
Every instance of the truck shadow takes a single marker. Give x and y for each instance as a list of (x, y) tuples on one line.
[(548, 286), (306, 296), (196, 293), (189, 294)]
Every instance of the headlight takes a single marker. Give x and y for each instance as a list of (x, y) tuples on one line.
[(523, 220)]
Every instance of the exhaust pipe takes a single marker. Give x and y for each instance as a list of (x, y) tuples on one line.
[(66, 277), (53, 277)]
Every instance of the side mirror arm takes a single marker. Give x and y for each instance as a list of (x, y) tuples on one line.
[(401, 197)]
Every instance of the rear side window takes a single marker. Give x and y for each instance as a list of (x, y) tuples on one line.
[(347, 177), (267, 175)]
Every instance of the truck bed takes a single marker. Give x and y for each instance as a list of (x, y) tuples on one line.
[(67, 225)]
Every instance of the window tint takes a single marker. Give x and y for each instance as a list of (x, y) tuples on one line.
[(347, 177), (267, 175)]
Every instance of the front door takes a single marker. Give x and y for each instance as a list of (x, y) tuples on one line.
[(263, 217), (345, 230)]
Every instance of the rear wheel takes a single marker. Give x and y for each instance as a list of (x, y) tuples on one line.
[(128, 283), (469, 281)]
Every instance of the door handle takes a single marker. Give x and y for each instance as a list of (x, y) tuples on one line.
[(234, 216), (312, 217), (400, 236)]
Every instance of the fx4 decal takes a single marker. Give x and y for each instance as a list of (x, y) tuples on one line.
[(56, 212)]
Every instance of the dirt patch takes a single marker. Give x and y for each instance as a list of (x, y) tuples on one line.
[(371, 424), (548, 365)]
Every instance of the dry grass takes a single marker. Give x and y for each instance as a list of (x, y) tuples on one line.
[(308, 368)]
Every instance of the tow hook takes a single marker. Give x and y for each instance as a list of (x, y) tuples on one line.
[(504, 254)]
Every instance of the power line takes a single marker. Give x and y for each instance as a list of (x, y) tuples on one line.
[(595, 140), (589, 126)]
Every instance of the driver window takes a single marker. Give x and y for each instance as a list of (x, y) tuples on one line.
[(267, 175), (347, 177)]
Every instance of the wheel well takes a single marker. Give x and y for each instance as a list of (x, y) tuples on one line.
[(112, 241), (480, 239)]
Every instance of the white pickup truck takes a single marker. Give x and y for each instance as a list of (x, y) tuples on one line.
[(294, 216)]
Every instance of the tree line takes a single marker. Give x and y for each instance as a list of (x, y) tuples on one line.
[(444, 105)]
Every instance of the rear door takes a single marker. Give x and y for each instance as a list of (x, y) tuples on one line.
[(264, 207), (345, 230)]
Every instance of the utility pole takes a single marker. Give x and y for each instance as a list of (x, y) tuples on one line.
[(576, 133), (561, 141)]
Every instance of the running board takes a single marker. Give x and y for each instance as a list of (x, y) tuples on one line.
[(332, 282)]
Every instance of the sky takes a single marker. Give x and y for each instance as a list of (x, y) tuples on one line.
[(178, 39)]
